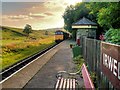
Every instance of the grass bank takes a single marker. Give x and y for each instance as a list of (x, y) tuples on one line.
[(16, 46), (14, 56)]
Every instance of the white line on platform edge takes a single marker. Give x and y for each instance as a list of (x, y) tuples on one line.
[(27, 64)]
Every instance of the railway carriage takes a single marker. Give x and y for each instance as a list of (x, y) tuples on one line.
[(60, 36)]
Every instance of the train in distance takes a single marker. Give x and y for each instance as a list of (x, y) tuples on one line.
[(61, 35)]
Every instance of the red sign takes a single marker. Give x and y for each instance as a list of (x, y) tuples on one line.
[(111, 63)]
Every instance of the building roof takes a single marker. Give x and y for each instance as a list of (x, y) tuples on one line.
[(84, 21)]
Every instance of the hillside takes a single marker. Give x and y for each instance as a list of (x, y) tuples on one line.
[(10, 34), (16, 45)]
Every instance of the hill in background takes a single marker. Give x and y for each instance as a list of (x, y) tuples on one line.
[(16, 46)]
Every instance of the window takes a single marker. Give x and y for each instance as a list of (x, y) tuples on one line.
[(59, 33)]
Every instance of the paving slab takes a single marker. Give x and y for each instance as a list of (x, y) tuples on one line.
[(60, 61)]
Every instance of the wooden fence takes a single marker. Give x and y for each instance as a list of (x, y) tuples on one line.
[(91, 52)]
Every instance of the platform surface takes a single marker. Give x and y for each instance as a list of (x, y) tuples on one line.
[(42, 72), (62, 60)]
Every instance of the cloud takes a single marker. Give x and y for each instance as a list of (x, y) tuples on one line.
[(49, 14), (16, 17), (24, 17), (37, 15), (19, 17), (23, 0), (54, 6)]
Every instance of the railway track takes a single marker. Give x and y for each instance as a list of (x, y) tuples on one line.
[(16, 67)]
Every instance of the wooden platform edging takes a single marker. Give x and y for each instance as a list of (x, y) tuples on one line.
[(86, 77)]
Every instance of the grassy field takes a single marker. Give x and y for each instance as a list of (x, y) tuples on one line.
[(16, 46)]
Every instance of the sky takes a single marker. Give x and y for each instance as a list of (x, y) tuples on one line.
[(40, 14)]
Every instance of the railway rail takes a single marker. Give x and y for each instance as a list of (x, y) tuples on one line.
[(16, 67)]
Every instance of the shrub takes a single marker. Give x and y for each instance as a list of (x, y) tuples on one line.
[(94, 78), (113, 36), (79, 61)]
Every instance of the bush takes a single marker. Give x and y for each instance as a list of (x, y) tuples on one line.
[(94, 78), (79, 61), (113, 36)]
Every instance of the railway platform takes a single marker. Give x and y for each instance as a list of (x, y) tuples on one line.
[(41, 73)]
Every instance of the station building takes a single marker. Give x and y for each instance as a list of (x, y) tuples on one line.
[(84, 28)]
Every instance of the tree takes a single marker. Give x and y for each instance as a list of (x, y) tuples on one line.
[(113, 36), (106, 14), (46, 32), (94, 8), (27, 29), (73, 13), (109, 17), (68, 18)]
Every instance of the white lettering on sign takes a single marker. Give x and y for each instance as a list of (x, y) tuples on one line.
[(112, 64), (115, 67), (119, 70)]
